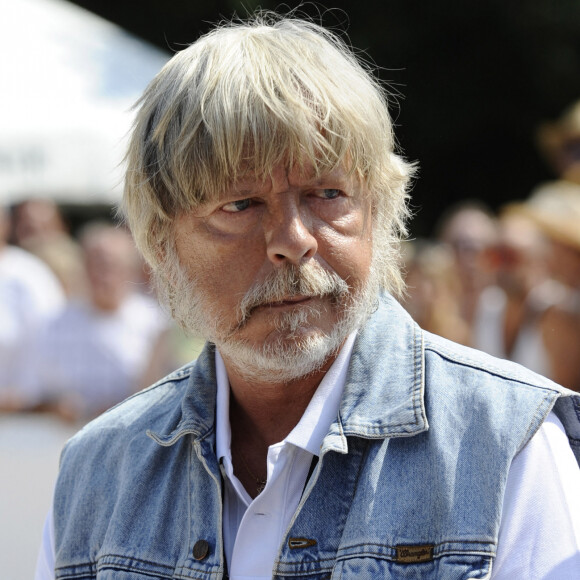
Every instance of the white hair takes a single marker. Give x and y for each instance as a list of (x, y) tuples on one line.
[(245, 98)]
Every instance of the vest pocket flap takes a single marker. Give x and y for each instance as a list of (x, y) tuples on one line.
[(402, 567)]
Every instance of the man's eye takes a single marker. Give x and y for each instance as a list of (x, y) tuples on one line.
[(330, 193), (237, 206)]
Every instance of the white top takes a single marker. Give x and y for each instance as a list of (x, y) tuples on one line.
[(488, 333), (540, 530), (94, 359), (30, 295), (539, 537)]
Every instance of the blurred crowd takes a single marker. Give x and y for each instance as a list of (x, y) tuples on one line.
[(80, 327), (508, 283), (81, 330)]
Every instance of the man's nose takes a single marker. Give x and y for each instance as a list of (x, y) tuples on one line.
[(289, 237)]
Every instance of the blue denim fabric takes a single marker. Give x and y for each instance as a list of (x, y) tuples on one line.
[(410, 481)]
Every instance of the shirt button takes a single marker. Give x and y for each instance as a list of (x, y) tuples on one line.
[(200, 549)]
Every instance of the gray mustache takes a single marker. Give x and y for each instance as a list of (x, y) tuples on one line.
[(305, 280)]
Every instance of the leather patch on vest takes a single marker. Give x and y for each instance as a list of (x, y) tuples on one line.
[(294, 543), (414, 554)]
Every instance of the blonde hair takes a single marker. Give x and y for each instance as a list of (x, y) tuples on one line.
[(246, 97)]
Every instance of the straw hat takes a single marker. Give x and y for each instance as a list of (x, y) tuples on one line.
[(559, 142), (555, 208)]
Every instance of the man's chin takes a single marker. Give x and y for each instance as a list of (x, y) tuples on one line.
[(279, 333), (292, 346), (282, 358)]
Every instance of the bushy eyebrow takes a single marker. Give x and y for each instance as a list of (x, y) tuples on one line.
[(336, 179)]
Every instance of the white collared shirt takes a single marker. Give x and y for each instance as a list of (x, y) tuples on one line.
[(268, 516)]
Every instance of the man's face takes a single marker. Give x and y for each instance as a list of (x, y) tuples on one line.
[(278, 265), (109, 263)]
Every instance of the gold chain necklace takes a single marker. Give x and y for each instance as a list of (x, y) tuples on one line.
[(260, 482)]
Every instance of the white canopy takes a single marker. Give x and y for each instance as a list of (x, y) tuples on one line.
[(69, 79)]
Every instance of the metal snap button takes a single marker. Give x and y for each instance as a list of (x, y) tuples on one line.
[(200, 549)]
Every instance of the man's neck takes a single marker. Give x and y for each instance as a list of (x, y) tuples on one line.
[(262, 414), (266, 412)]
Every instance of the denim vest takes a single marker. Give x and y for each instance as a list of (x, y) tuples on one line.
[(409, 484)]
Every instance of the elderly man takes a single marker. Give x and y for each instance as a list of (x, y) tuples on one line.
[(321, 434)]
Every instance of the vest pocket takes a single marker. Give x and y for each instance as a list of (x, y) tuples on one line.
[(447, 567)]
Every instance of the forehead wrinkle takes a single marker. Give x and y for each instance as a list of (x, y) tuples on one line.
[(284, 178), (248, 188)]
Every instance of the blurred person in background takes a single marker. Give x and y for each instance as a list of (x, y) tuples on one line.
[(36, 219), (554, 208), (38, 227), (559, 142), (434, 289), (469, 229), (510, 316), (94, 353), (30, 295)]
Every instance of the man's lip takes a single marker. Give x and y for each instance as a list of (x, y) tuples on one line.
[(292, 301)]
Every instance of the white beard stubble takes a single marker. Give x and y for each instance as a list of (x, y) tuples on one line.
[(291, 355)]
